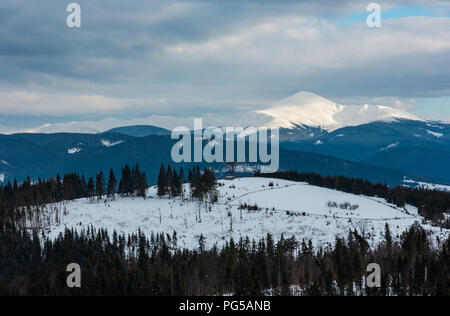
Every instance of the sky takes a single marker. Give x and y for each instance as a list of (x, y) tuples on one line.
[(138, 58)]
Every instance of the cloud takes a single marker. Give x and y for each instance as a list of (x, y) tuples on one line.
[(32, 103), (213, 55)]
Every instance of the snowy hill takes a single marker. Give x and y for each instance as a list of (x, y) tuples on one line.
[(288, 208)]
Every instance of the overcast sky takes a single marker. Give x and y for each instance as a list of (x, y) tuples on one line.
[(135, 58)]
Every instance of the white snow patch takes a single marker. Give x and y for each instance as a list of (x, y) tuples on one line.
[(390, 146), (434, 125), (435, 134), (108, 143), (2, 177), (4, 162), (73, 150), (426, 185), (319, 142)]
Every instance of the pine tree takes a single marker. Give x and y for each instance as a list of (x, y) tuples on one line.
[(173, 184), (161, 183), (90, 188), (181, 182), (142, 189), (136, 178), (169, 178), (126, 182), (112, 184), (388, 238), (100, 185), (83, 187)]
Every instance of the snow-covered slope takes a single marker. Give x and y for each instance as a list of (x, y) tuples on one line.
[(308, 109), (426, 185), (288, 208)]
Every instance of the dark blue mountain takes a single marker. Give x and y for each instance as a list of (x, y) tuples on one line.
[(139, 130), (416, 147), (45, 155), (427, 161)]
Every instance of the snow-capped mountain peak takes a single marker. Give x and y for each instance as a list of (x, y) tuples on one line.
[(309, 109), (301, 109)]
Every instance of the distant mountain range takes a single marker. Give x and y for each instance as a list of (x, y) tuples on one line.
[(45, 155), (303, 109), (416, 147), (372, 142)]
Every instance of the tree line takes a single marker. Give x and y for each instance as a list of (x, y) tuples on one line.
[(72, 186), (31, 264), (155, 265), (33, 203), (431, 204), (202, 184)]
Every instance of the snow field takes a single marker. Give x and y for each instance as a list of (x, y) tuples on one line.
[(286, 208)]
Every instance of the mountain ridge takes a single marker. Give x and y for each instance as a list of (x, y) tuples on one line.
[(301, 109), (309, 109), (45, 155)]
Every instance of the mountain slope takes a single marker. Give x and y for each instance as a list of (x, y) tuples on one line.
[(308, 109), (45, 155), (430, 162), (424, 146), (287, 209), (355, 136)]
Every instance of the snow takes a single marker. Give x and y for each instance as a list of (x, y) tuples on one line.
[(4, 162), (319, 142), (73, 150), (108, 143), (2, 177), (390, 146), (303, 109), (426, 185), (309, 109), (286, 208), (435, 134)]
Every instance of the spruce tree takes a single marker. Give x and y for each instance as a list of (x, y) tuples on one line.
[(169, 178), (100, 185), (161, 183), (112, 184), (126, 182), (142, 188), (90, 188), (136, 177), (173, 183)]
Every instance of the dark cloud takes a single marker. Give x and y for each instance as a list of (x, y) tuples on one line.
[(207, 54)]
